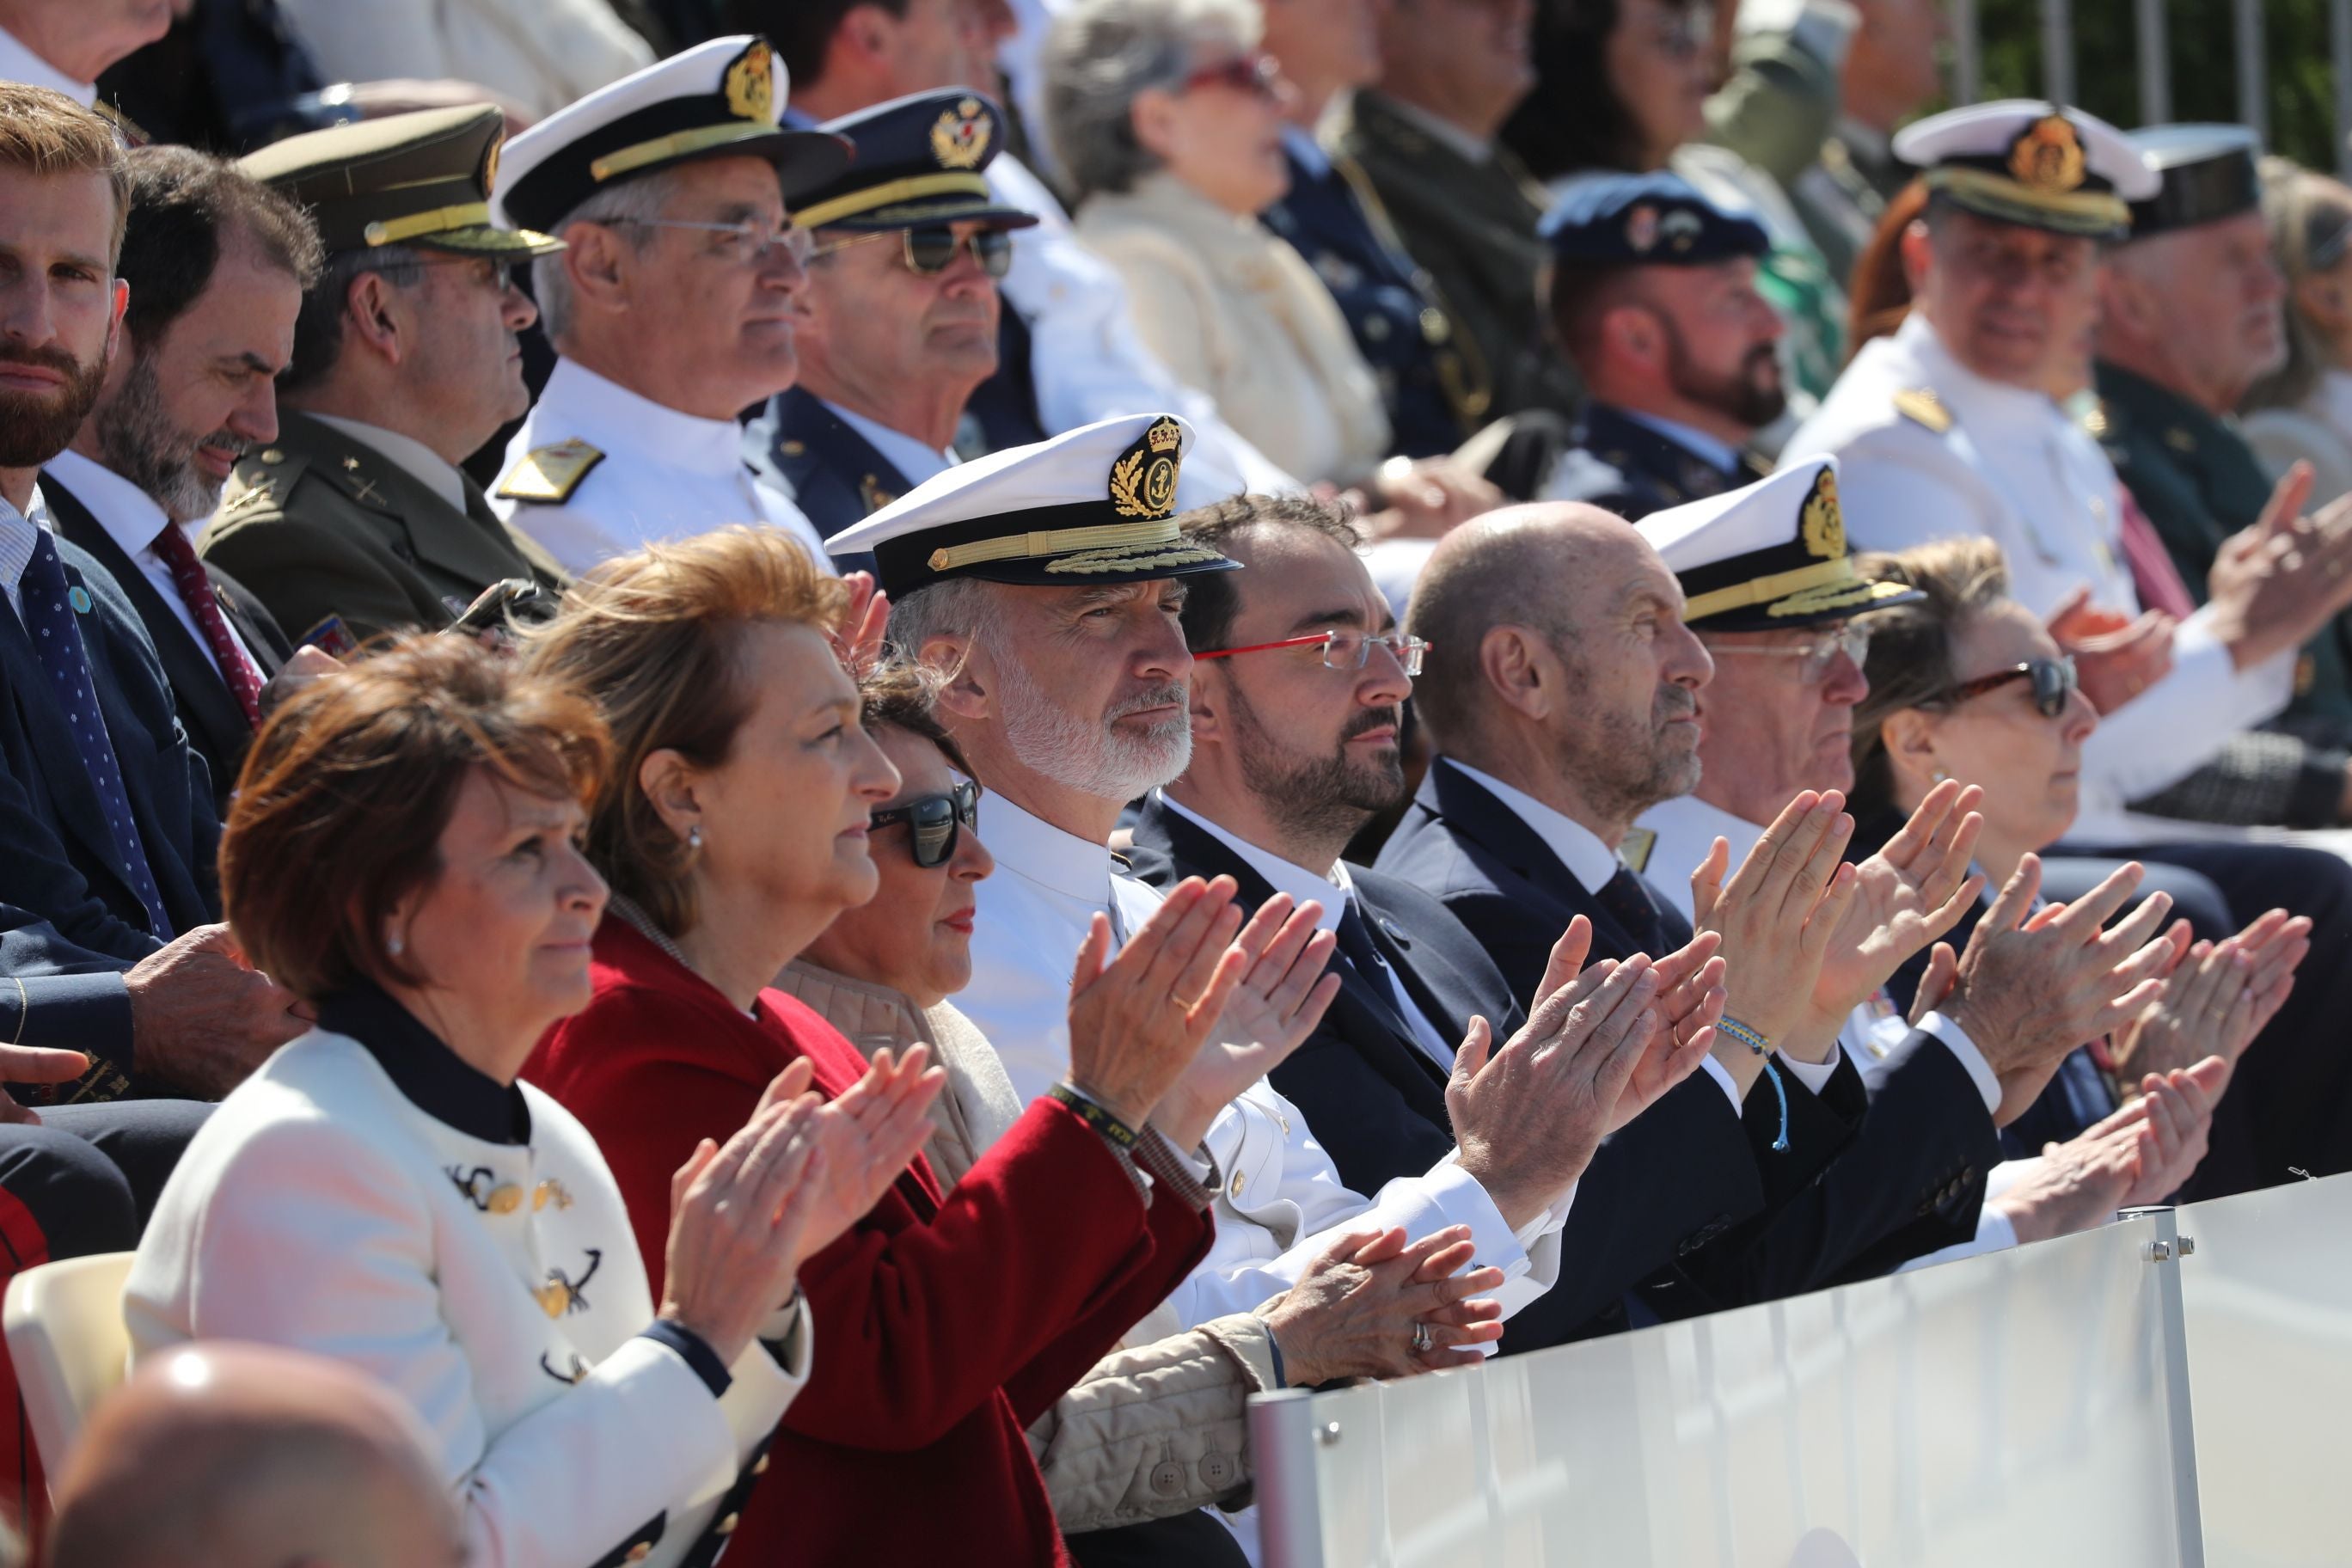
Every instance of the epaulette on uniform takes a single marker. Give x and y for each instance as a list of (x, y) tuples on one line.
[(1922, 406), (548, 475)]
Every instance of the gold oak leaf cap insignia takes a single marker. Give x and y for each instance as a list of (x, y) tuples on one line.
[(1143, 479), (1823, 525), (2048, 155), (959, 136), (751, 84)]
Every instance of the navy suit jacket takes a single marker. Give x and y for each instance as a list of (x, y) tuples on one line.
[(55, 859), (833, 473), (71, 998), (1866, 1182), (1624, 466), (208, 709), (1659, 1189)]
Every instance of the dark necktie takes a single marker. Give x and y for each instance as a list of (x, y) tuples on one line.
[(1628, 903), (196, 589), (50, 620), (1364, 956)]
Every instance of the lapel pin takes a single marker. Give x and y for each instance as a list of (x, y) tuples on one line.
[(79, 598)]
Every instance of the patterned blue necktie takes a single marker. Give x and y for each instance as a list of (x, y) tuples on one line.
[(50, 605)]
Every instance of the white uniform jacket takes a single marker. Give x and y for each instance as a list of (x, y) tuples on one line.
[(352, 1206), (1281, 1192), (2009, 464), (597, 471)]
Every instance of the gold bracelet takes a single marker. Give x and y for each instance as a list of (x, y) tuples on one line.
[(23, 1007)]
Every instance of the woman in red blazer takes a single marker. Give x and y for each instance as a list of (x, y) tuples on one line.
[(733, 831)]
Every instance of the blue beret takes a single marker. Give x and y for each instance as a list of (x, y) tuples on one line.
[(1646, 220)]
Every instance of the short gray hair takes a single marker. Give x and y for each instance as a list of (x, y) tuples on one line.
[(1100, 54), (631, 203), (319, 329), (959, 607)]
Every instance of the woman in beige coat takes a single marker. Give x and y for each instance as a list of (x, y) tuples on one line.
[(1159, 1428), (1168, 121)]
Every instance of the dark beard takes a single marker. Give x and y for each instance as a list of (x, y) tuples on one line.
[(1621, 766), (1746, 397), (36, 425), (1320, 800), (138, 440)]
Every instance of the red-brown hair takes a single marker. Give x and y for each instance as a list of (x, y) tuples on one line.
[(339, 808)]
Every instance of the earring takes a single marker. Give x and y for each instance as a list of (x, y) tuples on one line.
[(394, 945), (694, 837), (1942, 777)]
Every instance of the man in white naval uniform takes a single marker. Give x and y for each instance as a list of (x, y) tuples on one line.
[(1070, 697), (1778, 719), (673, 308), (1948, 429)]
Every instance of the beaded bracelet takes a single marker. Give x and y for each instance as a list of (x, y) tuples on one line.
[(1119, 1134), (1761, 1047)]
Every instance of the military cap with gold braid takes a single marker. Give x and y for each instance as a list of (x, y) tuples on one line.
[(1768, 556), (1095, 505), (718, 99), (2032, 164), (420, 179), (919, 161)]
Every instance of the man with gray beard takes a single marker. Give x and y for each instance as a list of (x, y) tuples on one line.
[(216, 264)]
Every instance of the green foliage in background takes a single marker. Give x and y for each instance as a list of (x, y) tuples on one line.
[(2204, 65)]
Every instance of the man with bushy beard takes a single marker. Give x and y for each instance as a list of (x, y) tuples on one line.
[(216, 263), (1653, 296)]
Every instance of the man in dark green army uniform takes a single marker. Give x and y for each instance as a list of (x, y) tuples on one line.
[(2189, 317), (406, 360)]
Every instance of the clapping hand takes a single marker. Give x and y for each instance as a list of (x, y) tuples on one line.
[(1778, 917), (1906, 896), (1683, 1019), (858, 640), (2115, 658), (867, 1135), (2179, 1106), (1137, 1023), (1354, 1312), (1280, 998)]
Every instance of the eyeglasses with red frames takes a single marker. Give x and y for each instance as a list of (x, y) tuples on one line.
[(2053, 682), (1257, 72), (1342, 651)]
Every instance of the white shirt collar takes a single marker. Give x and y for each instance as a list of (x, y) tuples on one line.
[(19, 531), (1715, 450), (1036, 851), (130, 515), (1588, 860), (422, 463), (909, 455), (1300, 143), (1476, 149), (611, 417), (18, 63), (1283, 876)]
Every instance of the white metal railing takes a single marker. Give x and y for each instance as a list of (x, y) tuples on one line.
[(2167, 1391)]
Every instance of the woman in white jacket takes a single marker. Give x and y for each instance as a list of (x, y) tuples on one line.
[(401, 854)]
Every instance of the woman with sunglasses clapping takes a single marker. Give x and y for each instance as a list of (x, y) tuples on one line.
[(1968, 684)]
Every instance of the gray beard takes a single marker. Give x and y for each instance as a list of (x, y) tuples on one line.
[(137, 439), (1088, 754)]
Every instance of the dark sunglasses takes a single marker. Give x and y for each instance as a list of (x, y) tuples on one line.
[(931, 250), (1257, 73), (2053, 682), (937, 821)]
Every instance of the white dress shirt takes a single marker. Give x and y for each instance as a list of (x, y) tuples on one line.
[(1592, 864), (664, 475), (20, 64), (412, 457), (914, 460), (19, 531), (1301, 884), (1281, 1190), (2014, 468), (133, 520)]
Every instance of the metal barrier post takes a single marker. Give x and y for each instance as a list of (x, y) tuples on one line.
[(1282, 1436), (2156, 59), (1967, 54), (2253, 86), (2164, 1254), (2058, 50)]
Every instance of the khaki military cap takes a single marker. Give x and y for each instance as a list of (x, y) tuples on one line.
[(420, 179)]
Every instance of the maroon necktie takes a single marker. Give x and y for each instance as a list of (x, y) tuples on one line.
[(196, 593)]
